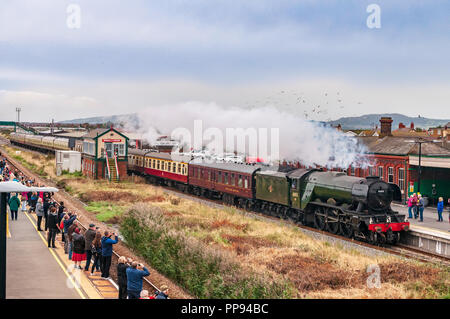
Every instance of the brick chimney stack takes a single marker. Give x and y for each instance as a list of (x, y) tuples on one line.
[(412, 126), (401, 125), (386, 126)]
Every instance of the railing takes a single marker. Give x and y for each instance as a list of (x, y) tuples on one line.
[(117, 168), (107, 165)]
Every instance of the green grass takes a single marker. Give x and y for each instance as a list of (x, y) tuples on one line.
[(67, 174), (105, 211)]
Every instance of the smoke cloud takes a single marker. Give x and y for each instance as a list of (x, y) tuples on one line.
[(308, 142)]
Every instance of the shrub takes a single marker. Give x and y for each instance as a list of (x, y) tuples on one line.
[(204, 271)]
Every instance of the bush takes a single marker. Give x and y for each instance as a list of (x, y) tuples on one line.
[(202, 270)]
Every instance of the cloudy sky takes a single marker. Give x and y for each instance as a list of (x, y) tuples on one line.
[(295, 55)]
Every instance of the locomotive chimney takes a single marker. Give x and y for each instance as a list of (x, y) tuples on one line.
[(386, 126)]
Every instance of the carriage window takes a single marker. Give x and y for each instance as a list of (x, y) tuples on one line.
[(246, 182), (232, 179), (179, 168), (226, 178), (169, 165), (219, 177), (209, 176), (240, 181), (159, 164)]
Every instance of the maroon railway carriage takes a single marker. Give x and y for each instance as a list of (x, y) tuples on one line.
[(233, 183), (162, 168)]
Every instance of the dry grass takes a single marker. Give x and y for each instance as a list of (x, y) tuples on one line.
[(39, 162), (280, 251)]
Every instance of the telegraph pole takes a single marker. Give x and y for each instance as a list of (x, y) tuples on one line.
[(18, 109)]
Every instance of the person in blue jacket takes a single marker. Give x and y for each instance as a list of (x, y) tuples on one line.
[(135, 273), (440, 209), (107, 244)]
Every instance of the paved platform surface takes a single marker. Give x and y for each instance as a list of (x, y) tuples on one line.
[(35, 271), (32, 272), (430, 217)]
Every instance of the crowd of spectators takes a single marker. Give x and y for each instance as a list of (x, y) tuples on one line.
[(88, 247)]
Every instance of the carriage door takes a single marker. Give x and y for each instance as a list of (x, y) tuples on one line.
[(109, 149), (213, 178)]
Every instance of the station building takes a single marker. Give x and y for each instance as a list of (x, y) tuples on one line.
[(395, 159), (105, 154)]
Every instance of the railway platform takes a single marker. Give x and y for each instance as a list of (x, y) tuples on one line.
[(430, 217), (430, 235), (34, 271)]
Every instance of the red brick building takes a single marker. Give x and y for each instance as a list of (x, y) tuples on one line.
[(395, 160)]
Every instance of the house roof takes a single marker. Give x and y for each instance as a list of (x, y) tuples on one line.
[(76, 134), (401, 146), (407, 132), (101, 131), (369, 132)]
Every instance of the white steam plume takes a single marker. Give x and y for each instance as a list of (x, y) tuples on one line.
[(308, 142)]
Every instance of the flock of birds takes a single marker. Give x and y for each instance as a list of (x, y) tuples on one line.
[(299, 99)]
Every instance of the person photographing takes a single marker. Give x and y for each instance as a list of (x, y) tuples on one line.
[(107, 248)]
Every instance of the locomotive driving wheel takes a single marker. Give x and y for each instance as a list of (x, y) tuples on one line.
[(332, 220), (346, 230), (319, 218)]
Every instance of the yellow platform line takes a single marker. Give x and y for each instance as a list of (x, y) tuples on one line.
[(56, 258), (89, 288)]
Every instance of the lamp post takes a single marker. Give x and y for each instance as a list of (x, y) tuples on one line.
[(420, 142)]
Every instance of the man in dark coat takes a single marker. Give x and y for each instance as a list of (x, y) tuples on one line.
[(53, 226), (88, 238), (135, 273), (107, 244), (46, 201)]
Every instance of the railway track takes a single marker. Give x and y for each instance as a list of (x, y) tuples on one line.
[(147, 284), (398, 250)]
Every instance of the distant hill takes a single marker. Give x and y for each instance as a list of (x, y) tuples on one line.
[(348, 123), (115, 119), (370, 120)]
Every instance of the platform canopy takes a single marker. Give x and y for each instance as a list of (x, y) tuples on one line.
[(16, 187)]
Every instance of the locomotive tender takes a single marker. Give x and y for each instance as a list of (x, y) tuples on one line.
[(354, 207)]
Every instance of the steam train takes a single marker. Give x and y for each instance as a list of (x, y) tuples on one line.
[(354, 207)]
